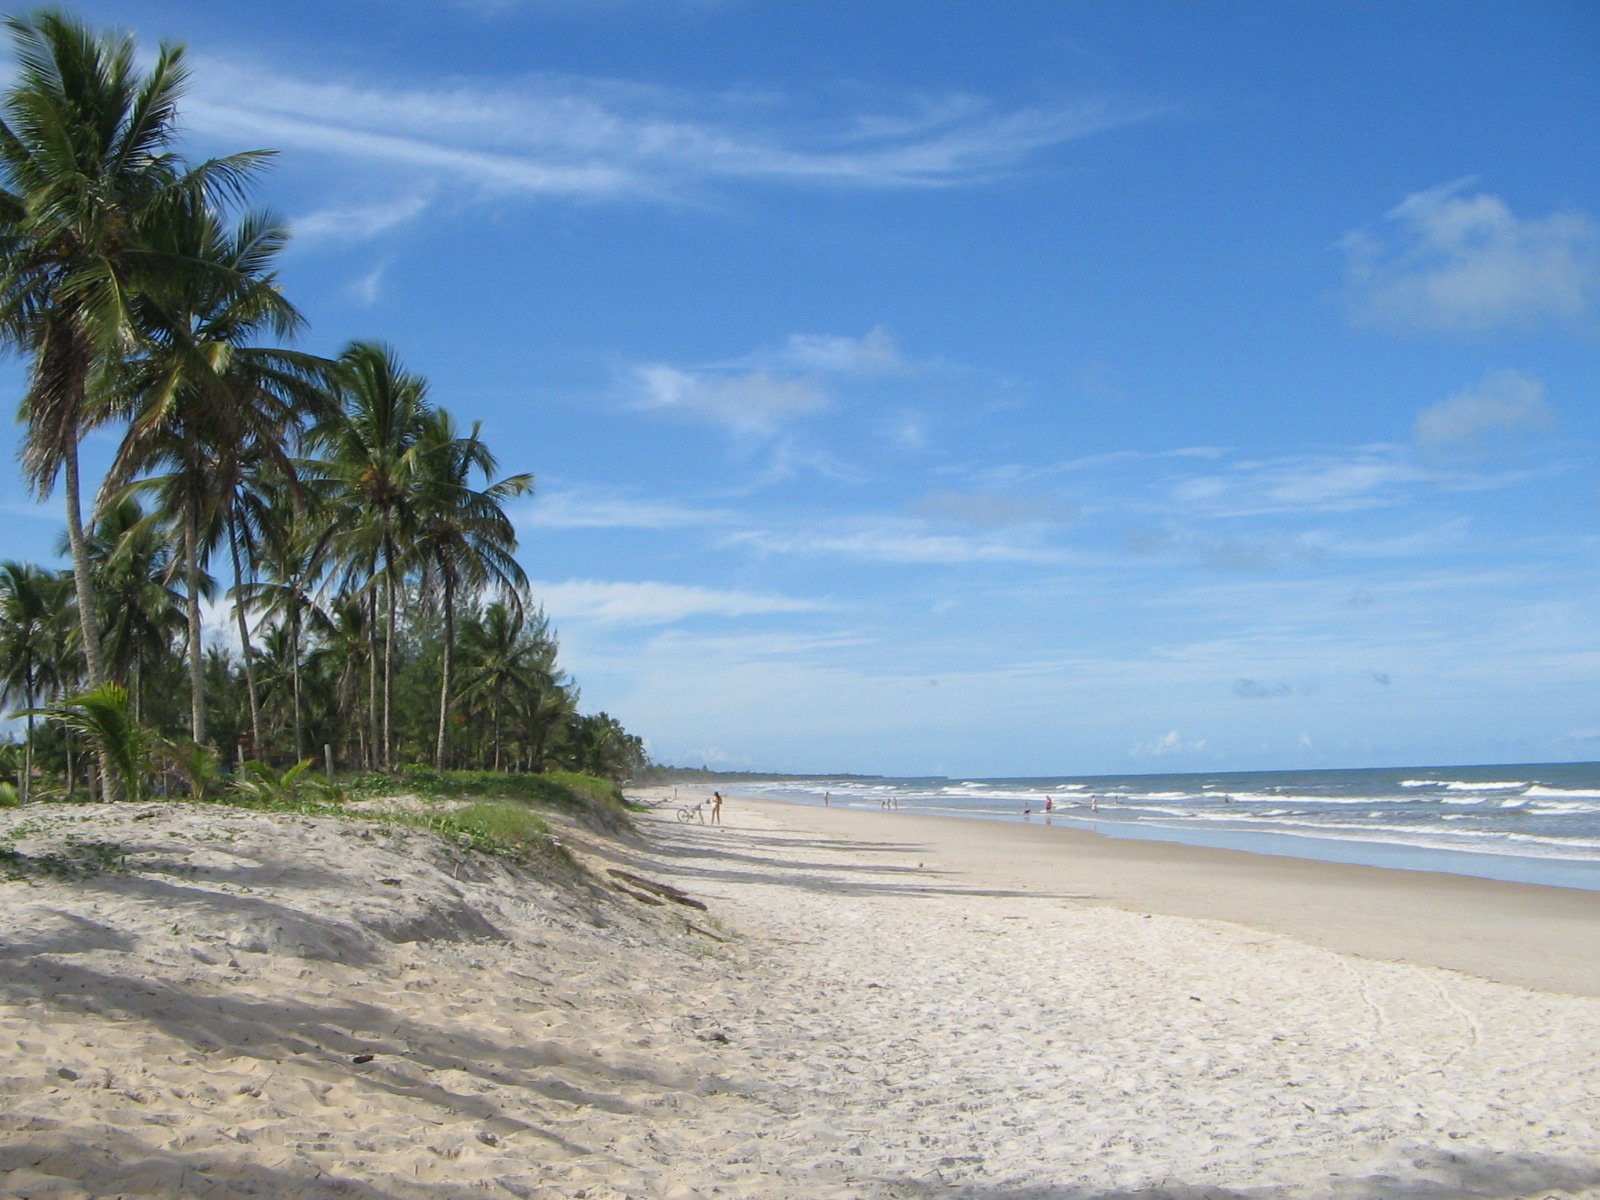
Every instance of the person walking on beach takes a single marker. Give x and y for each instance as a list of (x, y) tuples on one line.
[(716, 808)]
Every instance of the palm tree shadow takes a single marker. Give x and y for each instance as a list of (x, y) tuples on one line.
[(1438, 1175), (691, 856)]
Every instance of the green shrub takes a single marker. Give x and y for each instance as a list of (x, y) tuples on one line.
[(593, 800), (492, 827)]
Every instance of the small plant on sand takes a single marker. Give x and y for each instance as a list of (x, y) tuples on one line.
[(259, 785), (200, 766)]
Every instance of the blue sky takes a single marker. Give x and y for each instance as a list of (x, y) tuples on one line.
[(982, 389)]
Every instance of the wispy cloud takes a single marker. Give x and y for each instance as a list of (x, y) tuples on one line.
[(365, 289), (594, 508), (1332, 481), (359, 222), (650, 603), (1450, 261), (890, 543), (757, 402), (761, 392), (874, 353), (562, 135), (993, 510)]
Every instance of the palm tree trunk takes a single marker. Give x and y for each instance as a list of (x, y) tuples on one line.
[(372, 676), (294, 672), (191, 569), (27, 753), (449, 657), (388, 663), (87, 621), (244, 637), (495, 708)]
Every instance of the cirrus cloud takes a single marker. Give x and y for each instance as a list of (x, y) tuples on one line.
[(651, 603)]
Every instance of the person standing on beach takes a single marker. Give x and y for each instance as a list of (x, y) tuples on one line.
[(824, 799), (716, 808)]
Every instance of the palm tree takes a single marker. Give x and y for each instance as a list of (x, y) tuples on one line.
[(369, 458), (504, 664), (86, 165), (464, 537), (599, 745), (104, 716), (141, 611), (292, 551), (24, 645), (344, 655), (202, 396)]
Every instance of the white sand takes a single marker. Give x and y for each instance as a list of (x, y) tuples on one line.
[(872, 1029)]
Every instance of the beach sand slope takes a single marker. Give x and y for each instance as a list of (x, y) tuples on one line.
[(250, 1004)]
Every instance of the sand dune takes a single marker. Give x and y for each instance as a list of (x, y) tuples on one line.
[(262, 1005)]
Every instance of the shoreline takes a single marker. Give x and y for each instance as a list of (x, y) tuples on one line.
[(1530, 935), (1535, 823)]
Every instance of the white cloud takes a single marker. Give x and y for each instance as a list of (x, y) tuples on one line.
[(648, 603), (1442, 260), (588, 508), (760, 392), (1506, 405), (1171, 742), (873, 353), (757, 402)]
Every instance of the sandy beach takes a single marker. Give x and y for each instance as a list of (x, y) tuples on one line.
[(868, 1005)]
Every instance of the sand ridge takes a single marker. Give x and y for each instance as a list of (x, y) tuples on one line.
[(263, 1005)]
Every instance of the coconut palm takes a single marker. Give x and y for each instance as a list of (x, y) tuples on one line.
[(291, 551), (25, 617), (464, 538), (344, 656), (504, 664), (141, 612), (202, 397), (104, 716), (86, 166), (369, 455)]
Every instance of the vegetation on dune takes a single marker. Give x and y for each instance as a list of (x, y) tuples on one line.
[(358, 533)]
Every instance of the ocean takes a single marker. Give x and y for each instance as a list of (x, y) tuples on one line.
[(1530, 823)]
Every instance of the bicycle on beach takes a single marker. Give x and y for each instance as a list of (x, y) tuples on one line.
[(690, 811)]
